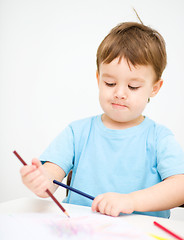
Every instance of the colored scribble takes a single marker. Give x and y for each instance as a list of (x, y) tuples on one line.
[(56, 227)]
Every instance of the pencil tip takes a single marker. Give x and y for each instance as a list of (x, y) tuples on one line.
[(67, 214)]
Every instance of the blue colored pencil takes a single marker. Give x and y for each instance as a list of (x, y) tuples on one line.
[(74, 190)]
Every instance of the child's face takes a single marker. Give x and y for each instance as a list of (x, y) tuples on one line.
[(124, 90)]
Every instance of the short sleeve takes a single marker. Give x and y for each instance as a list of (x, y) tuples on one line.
[(170, 156), (61, 150)]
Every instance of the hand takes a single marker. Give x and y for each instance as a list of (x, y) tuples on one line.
[(35, 178), (113, 204)]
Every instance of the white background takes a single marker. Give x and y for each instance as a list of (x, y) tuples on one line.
[(47, 71)]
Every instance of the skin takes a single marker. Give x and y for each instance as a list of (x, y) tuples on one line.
[(123, 94), (124, 91), (38, 178)]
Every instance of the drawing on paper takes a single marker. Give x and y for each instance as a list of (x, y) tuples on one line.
[(55, 227)]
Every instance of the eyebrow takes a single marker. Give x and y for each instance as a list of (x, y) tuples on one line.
[(132, 79), (108, 75), (137, 80)]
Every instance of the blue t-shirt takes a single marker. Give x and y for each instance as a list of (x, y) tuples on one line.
[(106, 160)]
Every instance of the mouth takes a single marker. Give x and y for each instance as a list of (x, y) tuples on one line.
[(119, 106)]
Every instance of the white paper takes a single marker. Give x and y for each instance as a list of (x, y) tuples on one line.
[(56, 227)]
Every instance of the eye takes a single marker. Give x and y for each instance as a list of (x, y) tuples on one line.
[(133, 88), (110, 84)]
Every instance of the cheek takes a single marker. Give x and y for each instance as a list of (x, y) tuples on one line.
[(142, 96), (140, 100), (104, 93), (101, 96)]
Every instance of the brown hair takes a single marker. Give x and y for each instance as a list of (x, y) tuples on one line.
[(137, 43)]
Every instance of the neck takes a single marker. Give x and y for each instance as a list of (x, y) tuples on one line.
[(110, 123)]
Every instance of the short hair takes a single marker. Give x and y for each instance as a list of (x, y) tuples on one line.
[(137, 43)]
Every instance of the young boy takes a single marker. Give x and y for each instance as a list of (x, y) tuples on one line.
[(129, 162)]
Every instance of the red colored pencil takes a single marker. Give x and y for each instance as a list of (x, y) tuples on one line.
[(47, 191), (167, 231)]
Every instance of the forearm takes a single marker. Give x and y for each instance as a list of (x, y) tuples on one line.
[(53, 172), (164, 195)]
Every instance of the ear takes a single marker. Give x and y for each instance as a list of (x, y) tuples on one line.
[(156, 87), (97, 77)]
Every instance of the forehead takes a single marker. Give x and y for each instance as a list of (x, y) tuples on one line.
[(119, 68)]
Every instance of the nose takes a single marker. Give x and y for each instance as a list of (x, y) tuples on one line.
[(120, 92)]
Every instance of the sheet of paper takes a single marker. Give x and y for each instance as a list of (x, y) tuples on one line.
[(56, 227)]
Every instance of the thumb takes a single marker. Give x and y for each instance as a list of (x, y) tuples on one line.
[(96, 201), (36, 162)]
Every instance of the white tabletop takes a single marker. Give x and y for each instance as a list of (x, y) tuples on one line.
[(37, 205)]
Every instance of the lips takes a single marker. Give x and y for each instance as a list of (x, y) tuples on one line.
[(119, 105)]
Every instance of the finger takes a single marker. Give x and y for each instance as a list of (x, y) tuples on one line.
[(102, 206), (41, 185), (114, 212), (108, 209), (36, 162), (25, 170), (95, 203), (29, 178), (40, 189), (38, 181)]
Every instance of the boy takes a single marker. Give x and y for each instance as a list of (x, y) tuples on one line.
[(129, 162)]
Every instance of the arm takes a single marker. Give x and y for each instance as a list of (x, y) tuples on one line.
[(38, 178), (164, 195)]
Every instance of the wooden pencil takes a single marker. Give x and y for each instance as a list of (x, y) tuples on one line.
[(167, 231), (73, 189)]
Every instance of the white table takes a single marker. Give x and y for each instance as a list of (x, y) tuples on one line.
[(38, 205)]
